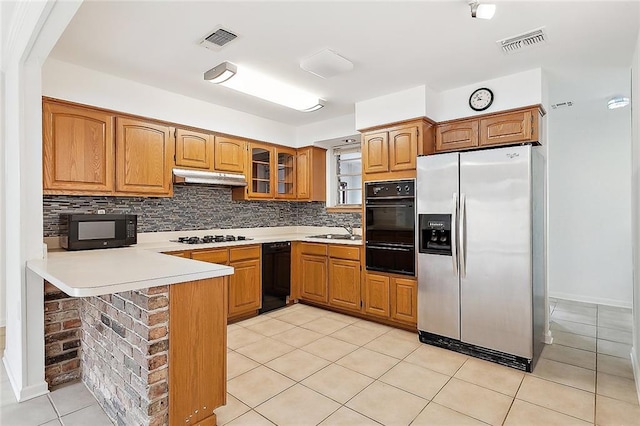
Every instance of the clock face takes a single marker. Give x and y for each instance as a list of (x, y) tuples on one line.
[(481, 99)]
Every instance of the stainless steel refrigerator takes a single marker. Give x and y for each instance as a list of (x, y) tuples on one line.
[(481, 271)]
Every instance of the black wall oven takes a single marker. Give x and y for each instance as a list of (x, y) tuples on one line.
[(390, 226)]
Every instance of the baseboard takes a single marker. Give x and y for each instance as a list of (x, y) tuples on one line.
[(548, 338), (2, 338), (587, 299), (636, 370), (25, 393)]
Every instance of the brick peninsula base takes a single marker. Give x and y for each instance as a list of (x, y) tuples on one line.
[(125, 351), (155, 356)]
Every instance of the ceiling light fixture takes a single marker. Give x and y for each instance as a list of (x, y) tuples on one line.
[(253, 83), (618, 102), (482, 11)]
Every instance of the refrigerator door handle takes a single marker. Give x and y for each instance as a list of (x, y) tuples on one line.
[(462, 230), (454, 243)]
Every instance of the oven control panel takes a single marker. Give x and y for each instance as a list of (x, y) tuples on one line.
[(396, 188)]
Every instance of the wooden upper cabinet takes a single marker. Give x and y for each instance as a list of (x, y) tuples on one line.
[(144, 158), (285, 172), (194, 150), (375, 152), (404, 300), (403, 149), (311, 174), (78, 149), (508, 128), (457, 135), (230, 154)]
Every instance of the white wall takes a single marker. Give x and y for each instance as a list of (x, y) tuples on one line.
[(397, 106), (73, 83), (589, 207), (510, 91), (635, 211), (338, 127)]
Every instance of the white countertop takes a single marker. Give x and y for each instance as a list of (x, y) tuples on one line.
[(108, 271)]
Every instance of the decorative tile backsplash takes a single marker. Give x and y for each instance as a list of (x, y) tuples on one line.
[(196, 207)]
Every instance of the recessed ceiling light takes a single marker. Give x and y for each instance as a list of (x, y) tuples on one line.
[(618, 102), (482, 11)]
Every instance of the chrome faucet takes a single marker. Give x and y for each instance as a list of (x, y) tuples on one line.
[(349, 229)]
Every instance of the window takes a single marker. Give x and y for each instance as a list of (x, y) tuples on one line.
[(348, 182)]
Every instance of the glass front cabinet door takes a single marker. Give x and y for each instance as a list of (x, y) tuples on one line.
[(262, 176), (285, 173)]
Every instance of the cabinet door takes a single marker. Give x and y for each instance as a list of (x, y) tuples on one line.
[(344, 283), (245, 287), (313, 278), (77, 149), (261, 171), (285, 173), (144, 157), (506, 128), (404, 300), (376, 295), (459, 135), (197, 350), (311, 174), (230, 154), (403, 149), (194, 150), (375, 154)]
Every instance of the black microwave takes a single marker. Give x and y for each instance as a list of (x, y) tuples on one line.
[(93, 231)]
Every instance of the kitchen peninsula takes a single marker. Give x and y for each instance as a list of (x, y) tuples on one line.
[(153, 331)]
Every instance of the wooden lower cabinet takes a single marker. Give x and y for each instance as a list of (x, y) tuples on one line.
[(404, 300), (344, 283), (245, 285), (197, 350), (245, 294), (376, 295), (313, 278)]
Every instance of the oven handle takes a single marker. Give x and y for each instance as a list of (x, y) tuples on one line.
[(390, 248), (388, 205)]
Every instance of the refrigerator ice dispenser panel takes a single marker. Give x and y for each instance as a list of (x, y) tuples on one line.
[(435, 234)]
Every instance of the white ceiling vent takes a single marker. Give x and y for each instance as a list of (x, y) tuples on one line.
[(218, 38), (519, 42), (562, 105)]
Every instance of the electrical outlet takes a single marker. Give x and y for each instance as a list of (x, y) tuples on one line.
[(102, 211)]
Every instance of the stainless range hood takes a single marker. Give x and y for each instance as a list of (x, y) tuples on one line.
[(210, 178)]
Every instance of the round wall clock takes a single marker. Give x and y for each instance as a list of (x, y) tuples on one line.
[(481, 99)]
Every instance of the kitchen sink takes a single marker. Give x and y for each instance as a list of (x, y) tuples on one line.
[(338, 237)]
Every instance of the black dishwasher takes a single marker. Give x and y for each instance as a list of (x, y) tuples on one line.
[(276, 275)]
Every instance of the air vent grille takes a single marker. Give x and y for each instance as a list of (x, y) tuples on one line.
[(218, 38), (562, 105), (522, 41)]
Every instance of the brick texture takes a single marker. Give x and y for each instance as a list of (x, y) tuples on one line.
[(196, 207), (125, 361), (62, 333)]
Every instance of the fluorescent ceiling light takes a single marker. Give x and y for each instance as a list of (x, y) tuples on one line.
[(618, 102), (482, 11), (253, 83)]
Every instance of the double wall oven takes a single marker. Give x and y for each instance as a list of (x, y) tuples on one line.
[(390, 226)]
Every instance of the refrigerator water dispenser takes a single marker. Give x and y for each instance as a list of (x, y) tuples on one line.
[(435, 234)]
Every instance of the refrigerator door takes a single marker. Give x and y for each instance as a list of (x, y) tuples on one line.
[(495, 245), (438, 284)]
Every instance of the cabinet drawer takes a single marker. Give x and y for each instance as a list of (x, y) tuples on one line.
[(242, 253), (344, 252), (314, 249), (220, 256), (186, 254)]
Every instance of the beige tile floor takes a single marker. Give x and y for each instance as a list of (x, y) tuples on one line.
[(306, 366)]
